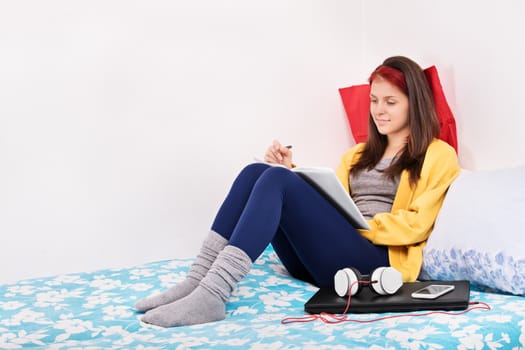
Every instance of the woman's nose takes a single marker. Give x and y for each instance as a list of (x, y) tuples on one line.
[(379, 108)]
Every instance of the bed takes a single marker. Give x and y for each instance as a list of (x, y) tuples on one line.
[(477, 236), (95, 311)]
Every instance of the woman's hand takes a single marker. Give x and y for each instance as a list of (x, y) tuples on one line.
[(279, 154)]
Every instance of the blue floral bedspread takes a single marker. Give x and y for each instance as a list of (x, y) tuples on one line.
[(95, 311)]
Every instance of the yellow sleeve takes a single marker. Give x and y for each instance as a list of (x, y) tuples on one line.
[(415, 209)]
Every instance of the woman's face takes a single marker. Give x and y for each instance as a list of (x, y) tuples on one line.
[(389, 109)]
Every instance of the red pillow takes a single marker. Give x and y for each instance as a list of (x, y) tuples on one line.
[(356, 101)]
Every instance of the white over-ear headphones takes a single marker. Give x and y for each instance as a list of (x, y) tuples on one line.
[(383, 281)]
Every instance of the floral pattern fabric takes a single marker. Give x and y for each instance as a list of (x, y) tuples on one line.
[(95, 311), (497, 271)]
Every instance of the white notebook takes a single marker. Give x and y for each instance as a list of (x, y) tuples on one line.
[(326, 182)]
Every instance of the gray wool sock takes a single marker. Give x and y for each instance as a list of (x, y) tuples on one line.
[(210, 248), (207, 303)]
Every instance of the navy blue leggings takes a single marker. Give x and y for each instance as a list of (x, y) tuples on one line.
[(313, 240)]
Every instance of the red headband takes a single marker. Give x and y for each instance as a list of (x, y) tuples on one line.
[(392, 75)]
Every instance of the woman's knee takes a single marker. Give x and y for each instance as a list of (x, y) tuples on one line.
[(254, 168), (277, 172), (266, 172), (251, 172), (276, 181), (275, 176)]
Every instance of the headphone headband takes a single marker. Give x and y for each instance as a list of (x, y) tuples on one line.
[(383, 281)]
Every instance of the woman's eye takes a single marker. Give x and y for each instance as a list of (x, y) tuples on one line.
[(391, 102)]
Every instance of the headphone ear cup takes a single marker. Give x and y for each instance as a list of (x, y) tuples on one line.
[(345, 278), (388, 280)]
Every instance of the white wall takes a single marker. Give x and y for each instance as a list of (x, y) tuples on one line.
[(479, 51), (123, 123)]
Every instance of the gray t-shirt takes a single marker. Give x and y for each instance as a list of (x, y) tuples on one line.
[(372, 191)]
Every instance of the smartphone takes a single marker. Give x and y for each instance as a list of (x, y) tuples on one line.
[(432, 291)]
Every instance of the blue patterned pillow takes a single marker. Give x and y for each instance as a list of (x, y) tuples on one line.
[(479, 233)]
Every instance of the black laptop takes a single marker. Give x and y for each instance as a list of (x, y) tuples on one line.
[(366, 301)]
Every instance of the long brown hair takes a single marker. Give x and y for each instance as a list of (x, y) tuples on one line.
[(422, 120)]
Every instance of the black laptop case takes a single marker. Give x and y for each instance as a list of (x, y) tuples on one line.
[(366, 301)]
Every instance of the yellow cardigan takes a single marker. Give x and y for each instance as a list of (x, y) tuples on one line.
[(407, 227)]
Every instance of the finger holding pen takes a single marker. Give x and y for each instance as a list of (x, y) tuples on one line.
[(277, 153), (272, 155)]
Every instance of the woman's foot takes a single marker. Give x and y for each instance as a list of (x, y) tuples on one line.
[(179, 291), (213, 244)]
